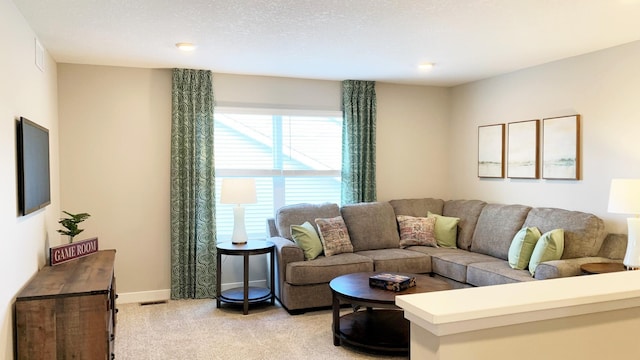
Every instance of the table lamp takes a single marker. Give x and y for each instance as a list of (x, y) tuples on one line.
[(238, 191), (624, 198)]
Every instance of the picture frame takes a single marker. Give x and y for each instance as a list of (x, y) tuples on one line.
[(561, 148), (491, 151), (523, 150)]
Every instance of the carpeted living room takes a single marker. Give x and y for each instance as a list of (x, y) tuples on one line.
[(381, 117)]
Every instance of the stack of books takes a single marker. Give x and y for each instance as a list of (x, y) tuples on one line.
[(393, 282)]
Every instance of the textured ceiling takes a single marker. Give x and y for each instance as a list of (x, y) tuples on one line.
[(381, 40)]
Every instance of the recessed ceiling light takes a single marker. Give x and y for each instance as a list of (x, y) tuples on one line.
[(426, 66), (185, 46)]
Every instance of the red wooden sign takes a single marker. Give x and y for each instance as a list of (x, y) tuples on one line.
[(63, 253)]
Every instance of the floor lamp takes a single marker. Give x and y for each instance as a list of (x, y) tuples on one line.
[(624, 198), (238, 191)]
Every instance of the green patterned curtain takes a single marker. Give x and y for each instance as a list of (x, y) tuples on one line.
[(193, 229), (358, 141)]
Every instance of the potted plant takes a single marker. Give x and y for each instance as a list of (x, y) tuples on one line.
[(71, 224)]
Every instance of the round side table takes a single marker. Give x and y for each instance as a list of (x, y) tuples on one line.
[(602, 267), (245, 295)]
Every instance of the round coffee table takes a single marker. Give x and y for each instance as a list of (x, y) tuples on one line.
[(381, 327)]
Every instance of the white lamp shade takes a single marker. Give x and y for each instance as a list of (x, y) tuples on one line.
[(624, 197), (238, 191)]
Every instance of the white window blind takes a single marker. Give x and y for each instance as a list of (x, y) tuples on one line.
[(294, 158)]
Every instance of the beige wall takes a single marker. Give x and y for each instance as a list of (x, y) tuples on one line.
[(115, 148), (24, 91), (411, 151), (602, 87), (115, 126)]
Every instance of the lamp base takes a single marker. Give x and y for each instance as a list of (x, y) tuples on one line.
[(239, 235), (632, 256)]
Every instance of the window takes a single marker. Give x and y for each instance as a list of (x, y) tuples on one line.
[(295, 157)]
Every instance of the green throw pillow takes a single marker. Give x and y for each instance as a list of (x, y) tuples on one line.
[(522, 247), (446, 230), (549, 247), (307, 238)]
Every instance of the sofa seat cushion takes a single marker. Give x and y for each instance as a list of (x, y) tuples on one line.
[(399, 260), (453, 264), (564, 268), (323, 269), (495, 273)]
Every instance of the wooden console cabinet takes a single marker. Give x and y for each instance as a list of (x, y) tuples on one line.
[(67, 311)]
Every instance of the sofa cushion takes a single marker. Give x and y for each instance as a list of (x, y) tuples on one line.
[(416, 231), (583, 232), (496, 227), (399, 260), (495, 273), (334, 236), (371, 226), (307, 238), (323, 269), (417, 207), (549, 247), (299, 213), (453, 264), (468, 212), (522, 247)]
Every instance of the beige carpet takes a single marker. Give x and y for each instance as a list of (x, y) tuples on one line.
[(196, 330)]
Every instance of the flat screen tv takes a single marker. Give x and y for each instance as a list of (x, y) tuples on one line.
[(34, 190)]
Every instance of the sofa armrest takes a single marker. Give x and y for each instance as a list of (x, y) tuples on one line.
[(564, 268), (286, 252), (272, 230)]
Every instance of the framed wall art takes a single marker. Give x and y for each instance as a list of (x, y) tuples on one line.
[(491, 151), (561, 148), (523, 150)]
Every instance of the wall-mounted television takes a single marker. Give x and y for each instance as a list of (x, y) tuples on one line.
[(34, 190)]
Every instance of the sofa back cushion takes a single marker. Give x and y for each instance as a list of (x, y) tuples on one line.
[(298, 214), (496, 227), (468, 211), (417, 207), (371, 226), (583, 232)]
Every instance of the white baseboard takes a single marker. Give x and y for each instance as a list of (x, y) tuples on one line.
[(144, 296), (165, 294)]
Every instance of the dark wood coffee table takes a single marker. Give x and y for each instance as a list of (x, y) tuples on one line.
[(381, 326)]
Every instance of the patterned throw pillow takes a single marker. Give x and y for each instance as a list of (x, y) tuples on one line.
[(334, 236), (417, 231)]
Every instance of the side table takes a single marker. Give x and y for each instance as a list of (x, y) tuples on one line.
[(602, 267), (245, 295)]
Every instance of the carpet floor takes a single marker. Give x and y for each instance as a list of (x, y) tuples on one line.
[(197, 330)]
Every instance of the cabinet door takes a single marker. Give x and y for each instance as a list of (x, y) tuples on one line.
[(36, 329)]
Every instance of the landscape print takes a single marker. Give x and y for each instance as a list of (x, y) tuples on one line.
[(522, 159), (560, 148), (491, 151)]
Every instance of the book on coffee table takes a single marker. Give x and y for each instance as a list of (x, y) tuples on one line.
[(393, 282)]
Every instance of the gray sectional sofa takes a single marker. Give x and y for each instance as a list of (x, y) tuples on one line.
[(484, 234)]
